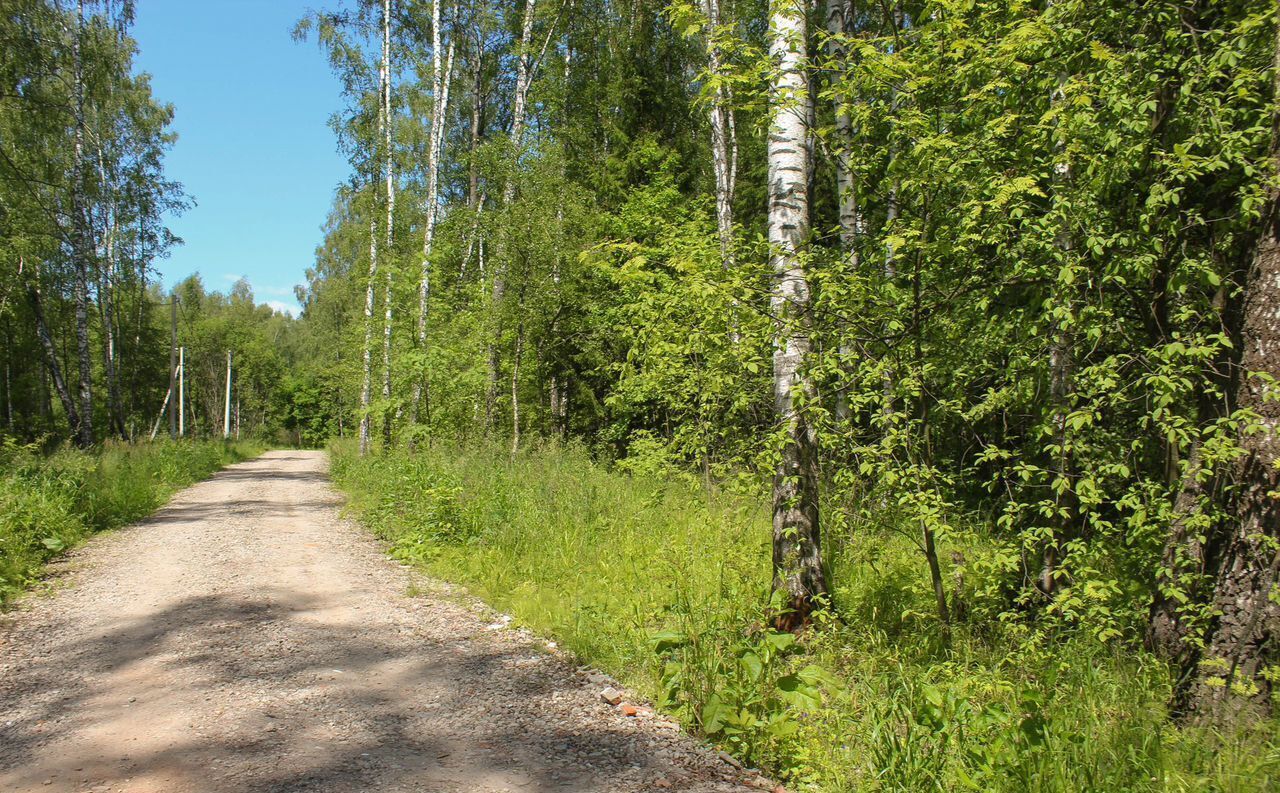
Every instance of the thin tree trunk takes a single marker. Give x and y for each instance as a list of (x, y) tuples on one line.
[(1232, 680), (519, 104), (838, 13), (722, 136), (515, 393), (8, 389), (559, 408), (923, 450), (106, 313), (51, 361), (475, 198), (442, 77), (366, 386), (479, 101), (887, 379), (1061, 388), (386, 355), (798, 577), (388, 154), (897, 22), (83, 255), (838, 18)]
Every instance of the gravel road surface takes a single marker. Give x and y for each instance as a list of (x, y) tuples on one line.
[(248, 638)]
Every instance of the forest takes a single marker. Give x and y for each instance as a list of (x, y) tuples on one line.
[(888, 389)]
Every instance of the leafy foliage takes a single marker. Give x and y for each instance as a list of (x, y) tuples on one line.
[(662, 584)]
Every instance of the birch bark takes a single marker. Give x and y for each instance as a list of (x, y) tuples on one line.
[(519, 104), (385, 134), (370, 295), (724, 144), (798, 577), (106, 313), (441, 78), (837, 15)]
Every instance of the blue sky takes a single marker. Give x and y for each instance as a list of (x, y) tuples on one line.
[(254, 148)]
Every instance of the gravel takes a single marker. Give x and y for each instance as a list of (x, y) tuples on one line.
[(247, 637)]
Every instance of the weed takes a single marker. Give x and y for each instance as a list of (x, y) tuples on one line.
[(48, 503), (664, 585)]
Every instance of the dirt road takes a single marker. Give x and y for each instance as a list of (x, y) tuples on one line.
[(249, 638)]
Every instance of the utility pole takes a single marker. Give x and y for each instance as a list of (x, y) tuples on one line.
[(173, 362), (182, 392), (226, 404)]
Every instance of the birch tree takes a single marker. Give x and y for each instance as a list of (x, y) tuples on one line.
[(81, 234), (441, 79), (385, 136), (724, 138), (366, 351), (838, 13), (799, 581), (519, 107)]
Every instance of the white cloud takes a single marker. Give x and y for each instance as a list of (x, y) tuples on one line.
[(283, 307)]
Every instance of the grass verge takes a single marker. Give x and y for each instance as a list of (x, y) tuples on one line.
[(49, 503), (663, 585)]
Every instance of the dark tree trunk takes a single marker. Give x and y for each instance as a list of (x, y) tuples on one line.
[(51, 363), (1246, 639), (1195, 540), (81, 238)]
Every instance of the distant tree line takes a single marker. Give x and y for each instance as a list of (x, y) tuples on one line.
[(84, 326)]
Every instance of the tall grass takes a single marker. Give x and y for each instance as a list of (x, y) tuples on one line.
[(48, 503), (664, 585)]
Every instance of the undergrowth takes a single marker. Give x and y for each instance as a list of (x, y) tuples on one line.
[(663, 584), (50, 502)]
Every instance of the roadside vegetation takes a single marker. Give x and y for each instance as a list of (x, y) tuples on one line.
[(916, 361), (49, 503), (665, 584)]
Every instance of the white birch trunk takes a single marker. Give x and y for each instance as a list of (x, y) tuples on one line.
[(366, 387), (723, 136), (385, 134), (797, 561), (524, 77), (106, 313), (515, 394), (226, 403), (519, 104), (441, 79), (837, 14)]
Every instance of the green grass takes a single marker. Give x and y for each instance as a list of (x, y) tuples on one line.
[(49, 503), (664, 585)]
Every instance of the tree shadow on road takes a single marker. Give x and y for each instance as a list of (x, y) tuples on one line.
[(269, 693)]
